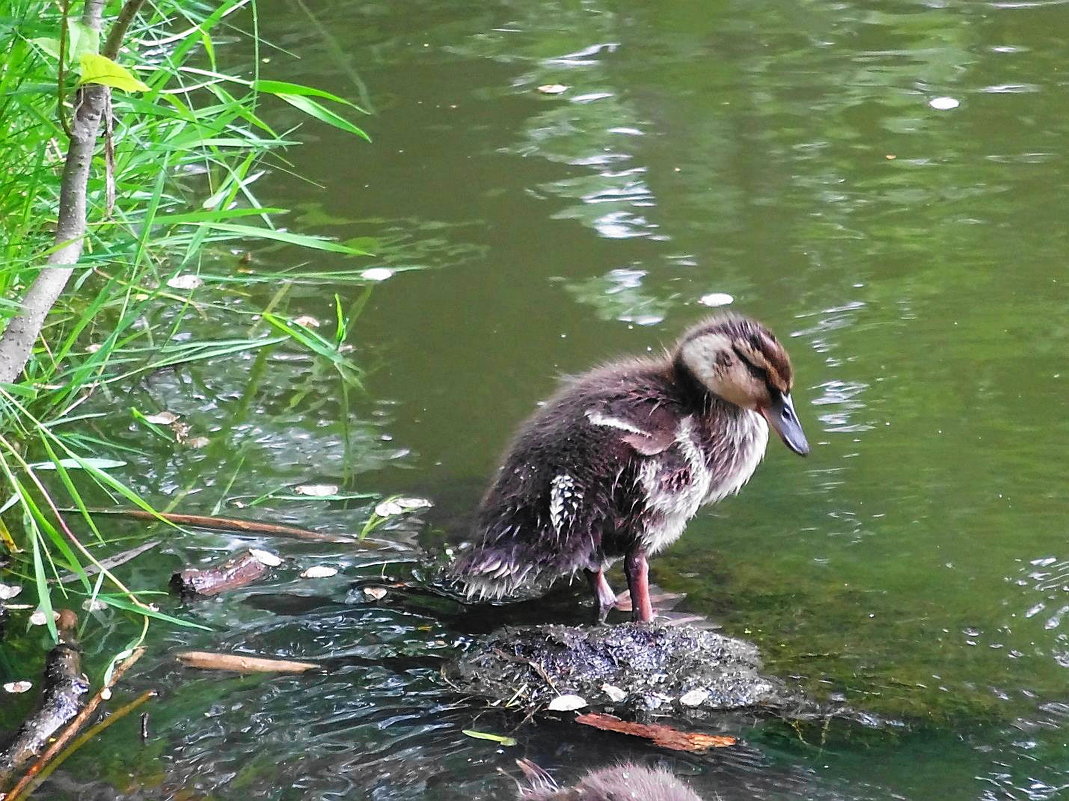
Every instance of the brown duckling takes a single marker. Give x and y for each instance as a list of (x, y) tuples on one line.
[(620, 783), (617, 462)]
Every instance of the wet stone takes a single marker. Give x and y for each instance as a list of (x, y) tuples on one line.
[(654, 670)]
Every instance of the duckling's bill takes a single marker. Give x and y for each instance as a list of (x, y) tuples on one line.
[(781, 416)]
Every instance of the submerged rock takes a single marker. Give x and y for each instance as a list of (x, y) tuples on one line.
[(637, 670)]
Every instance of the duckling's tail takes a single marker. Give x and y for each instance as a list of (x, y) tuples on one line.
[(490, 573)]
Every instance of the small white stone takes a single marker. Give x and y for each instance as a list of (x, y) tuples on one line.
[(265, 557), (944, 103), (615, 693), (377, 274), (716, 299), (694, 697), (319, 571), (567, 703), (17, 686), (317, 490)]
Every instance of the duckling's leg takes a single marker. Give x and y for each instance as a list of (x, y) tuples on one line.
[(637, 570), (604, 597)]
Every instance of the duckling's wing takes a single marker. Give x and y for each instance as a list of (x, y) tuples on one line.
[(648, 427)]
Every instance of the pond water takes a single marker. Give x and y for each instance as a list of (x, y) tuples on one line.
[(882, 183)]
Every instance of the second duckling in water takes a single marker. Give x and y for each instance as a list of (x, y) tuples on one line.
[(617, 462)]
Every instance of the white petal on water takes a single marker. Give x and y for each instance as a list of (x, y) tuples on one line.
[(316, 490), (944, 103), (377, 274), (319, 571), (9, 591), (93, 605), (716, 299), (17, 686), (186, 281), (265, 557), (567, 703), (694, 698), (375, 593), (307, 320), (552, 88)]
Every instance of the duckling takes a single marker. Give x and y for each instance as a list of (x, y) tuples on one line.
[(619, 783), (617, 462)]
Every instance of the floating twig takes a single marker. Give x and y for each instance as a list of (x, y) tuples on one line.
[(660, 734), (207, 660)]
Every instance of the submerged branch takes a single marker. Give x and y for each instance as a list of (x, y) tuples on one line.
[(236, 524), (61, 701), (72, 728)]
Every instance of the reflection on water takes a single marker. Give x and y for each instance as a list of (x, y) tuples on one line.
[(789, 157)]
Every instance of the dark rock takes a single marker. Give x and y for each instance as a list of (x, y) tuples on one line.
[(631, 670)]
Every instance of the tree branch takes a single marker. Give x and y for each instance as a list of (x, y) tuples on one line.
[(90, 105)]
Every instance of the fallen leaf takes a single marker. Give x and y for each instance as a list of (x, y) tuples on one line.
[(716, 299), (944, 103), (614, 693), (317, 490), (566, 703), (161, 418), (377, 274), (483, 735), (265, 557), (186, 281), (319, 571), (658, 733), (694, 697)]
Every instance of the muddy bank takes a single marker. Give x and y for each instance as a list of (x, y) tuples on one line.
[(637, 671)]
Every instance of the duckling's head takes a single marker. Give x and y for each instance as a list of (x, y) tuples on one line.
[(741, 361)]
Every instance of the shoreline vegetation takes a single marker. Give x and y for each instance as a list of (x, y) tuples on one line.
[(131, 155)]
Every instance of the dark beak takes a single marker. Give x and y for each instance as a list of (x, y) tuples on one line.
[(780, 415)]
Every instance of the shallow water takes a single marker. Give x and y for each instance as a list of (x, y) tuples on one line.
[(786, 155)]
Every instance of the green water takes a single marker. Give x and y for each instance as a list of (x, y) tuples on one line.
[(786, 154)]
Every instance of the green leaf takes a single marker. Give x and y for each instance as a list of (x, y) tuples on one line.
[(322, 113), (49, 46), (304, 241), (497, 738), (72, 464), (104, 71), (83, 39), (284, 88)]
